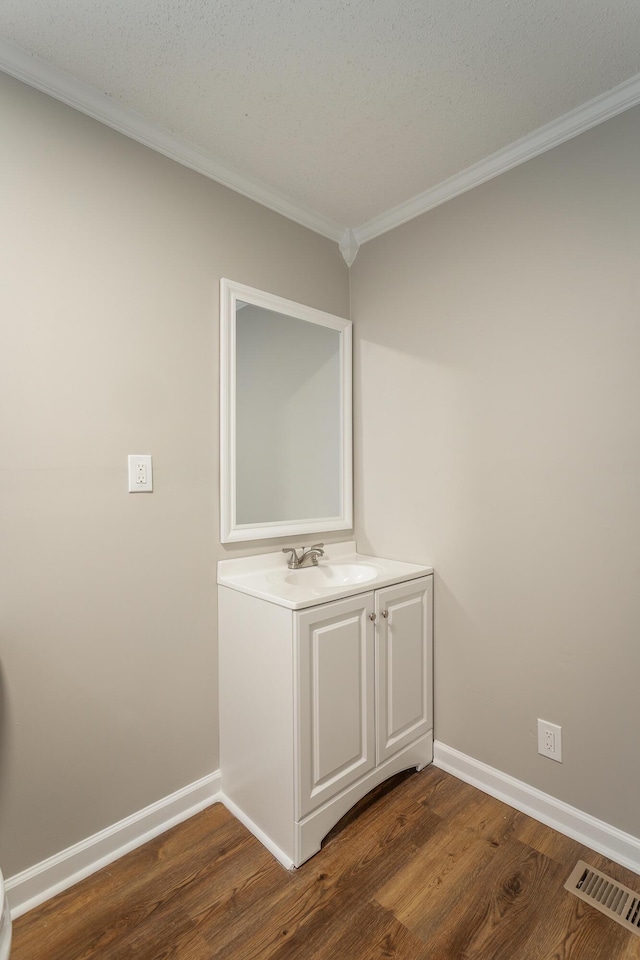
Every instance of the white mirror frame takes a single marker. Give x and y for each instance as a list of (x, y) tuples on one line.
[(230, 529)]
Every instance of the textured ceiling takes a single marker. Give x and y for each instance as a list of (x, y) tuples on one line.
[(345, 107)]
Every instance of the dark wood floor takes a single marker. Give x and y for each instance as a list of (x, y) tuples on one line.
[(426, 868)]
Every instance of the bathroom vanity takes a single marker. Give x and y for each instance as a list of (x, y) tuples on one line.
[(325, 688)]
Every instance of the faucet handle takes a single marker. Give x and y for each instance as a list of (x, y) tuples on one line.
[(317, 546), (294, 553)]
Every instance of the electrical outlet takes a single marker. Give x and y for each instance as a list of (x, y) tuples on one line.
[(140, 473), (550, 740)]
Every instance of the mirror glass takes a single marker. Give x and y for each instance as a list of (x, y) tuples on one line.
[(285, 417)]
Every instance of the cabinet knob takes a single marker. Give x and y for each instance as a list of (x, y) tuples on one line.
[(385, 614), (372, 616)]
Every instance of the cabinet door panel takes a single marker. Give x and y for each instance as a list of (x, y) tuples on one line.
[(336, 744), (404, 658)]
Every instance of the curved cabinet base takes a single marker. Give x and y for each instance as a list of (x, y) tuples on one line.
[(310, 832)]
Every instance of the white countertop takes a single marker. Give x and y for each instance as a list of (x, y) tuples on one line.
[(342, 572)]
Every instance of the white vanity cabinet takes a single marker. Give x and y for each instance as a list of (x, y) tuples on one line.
[(404, 665), (363, 686), (320, 704), (334, 699)]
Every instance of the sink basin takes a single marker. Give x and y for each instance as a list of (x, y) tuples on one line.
[(341, 573), (332, 576)]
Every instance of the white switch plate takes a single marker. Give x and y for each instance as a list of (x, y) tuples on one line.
[(140, 473)]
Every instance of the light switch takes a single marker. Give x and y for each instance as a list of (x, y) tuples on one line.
[(140, 473)]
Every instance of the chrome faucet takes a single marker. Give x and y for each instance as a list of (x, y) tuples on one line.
[(308, 556)]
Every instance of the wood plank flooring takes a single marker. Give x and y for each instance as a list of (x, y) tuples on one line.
[(424, 868)]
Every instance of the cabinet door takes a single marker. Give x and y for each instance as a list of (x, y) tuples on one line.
[(335, 648), (404, 664)]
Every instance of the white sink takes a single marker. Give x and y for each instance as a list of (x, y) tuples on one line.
[(330, 576), (342, 572)]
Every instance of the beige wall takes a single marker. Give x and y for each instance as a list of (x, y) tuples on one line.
[(498, 410), (111, 263)]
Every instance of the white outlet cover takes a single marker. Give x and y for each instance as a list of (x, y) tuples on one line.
[(140, 473), (550, 740)]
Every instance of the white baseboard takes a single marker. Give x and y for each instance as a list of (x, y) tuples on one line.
[(44, 880), (622, 848), (257, 832)]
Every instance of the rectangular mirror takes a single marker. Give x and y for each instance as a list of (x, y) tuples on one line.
[(285, 417)]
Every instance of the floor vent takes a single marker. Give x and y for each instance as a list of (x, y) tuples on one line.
[(611, 898)]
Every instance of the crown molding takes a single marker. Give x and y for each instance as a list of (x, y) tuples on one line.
[(570, 125), (62, 86), (349, 247)]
